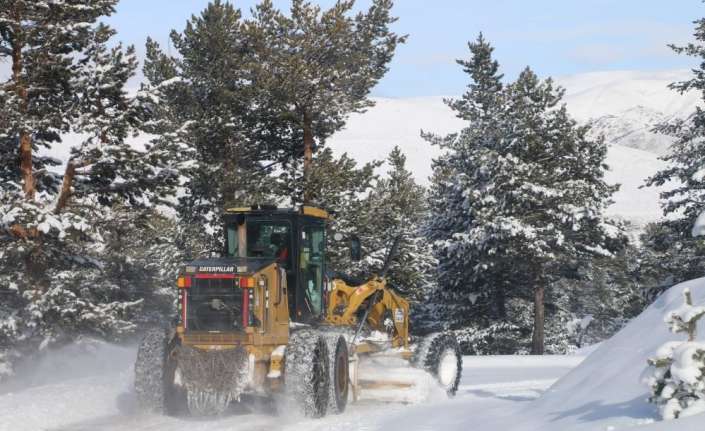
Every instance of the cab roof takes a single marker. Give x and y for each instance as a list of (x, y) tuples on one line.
[(271, 209)]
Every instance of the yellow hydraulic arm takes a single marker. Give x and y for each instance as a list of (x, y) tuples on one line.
[(345, 302)]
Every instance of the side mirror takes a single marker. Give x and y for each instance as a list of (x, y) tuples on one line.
[(355, 248)]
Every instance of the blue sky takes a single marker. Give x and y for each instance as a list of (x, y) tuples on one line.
[(554, 37)]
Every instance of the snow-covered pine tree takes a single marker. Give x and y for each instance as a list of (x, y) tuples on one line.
[(527, 186), (669, 255), (547, 178), (202, 101), (315, 66), (596, 298), (39, 40), (53, 269), (105, 166), (340, 186), (142, 250), (470, 288), (676, 374), (674, 242), (396, 208)]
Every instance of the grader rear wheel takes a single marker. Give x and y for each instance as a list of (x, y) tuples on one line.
[(154, 375), (307, 373)]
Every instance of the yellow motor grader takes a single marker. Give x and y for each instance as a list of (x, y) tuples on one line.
[(265, 319)]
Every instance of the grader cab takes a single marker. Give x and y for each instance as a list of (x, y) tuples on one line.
[(265, 319)]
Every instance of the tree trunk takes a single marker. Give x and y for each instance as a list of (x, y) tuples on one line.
[(65, 192), (70, 174), (537, 341), (26, 169), (500, 301), (692, 323), (308, 156)]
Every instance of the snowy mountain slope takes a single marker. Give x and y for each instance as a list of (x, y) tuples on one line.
[(633, 128), (625, 106), (372, 135), (591, 95)]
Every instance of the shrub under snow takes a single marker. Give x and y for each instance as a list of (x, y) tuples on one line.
[(676, 374)]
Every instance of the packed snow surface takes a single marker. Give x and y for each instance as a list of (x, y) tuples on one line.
[(602, 392), (104, 400)]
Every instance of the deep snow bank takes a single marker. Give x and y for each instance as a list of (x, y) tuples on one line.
[(605, 390)]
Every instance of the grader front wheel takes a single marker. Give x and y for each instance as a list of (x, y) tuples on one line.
[(439, 354)]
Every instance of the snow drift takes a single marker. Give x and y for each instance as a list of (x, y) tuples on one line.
[(606, 389)]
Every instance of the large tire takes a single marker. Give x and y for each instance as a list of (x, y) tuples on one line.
[(212, 378), (339, 373), (439, 354), (306, 373), (154, 374)]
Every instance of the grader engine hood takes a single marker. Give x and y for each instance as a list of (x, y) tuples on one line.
[(215, 294)]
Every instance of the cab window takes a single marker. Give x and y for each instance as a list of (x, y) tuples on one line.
[(311, 262), (232, 241), (267, 239)]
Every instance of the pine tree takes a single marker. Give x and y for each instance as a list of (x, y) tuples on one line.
[(669, 255), (105, 165), (526, 197), (482, 100), (142, 251), (39, 39), (675, 374), (314, 67), (55, 273), (554, 179), (466, 282), (201, 102), (675, 244), (395, 211), (599, 296)]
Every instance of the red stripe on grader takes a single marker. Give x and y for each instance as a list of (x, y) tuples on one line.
[(216, 276), (184, 305), (245, 309)]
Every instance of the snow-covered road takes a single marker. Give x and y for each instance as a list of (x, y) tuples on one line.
[(491, 390)]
